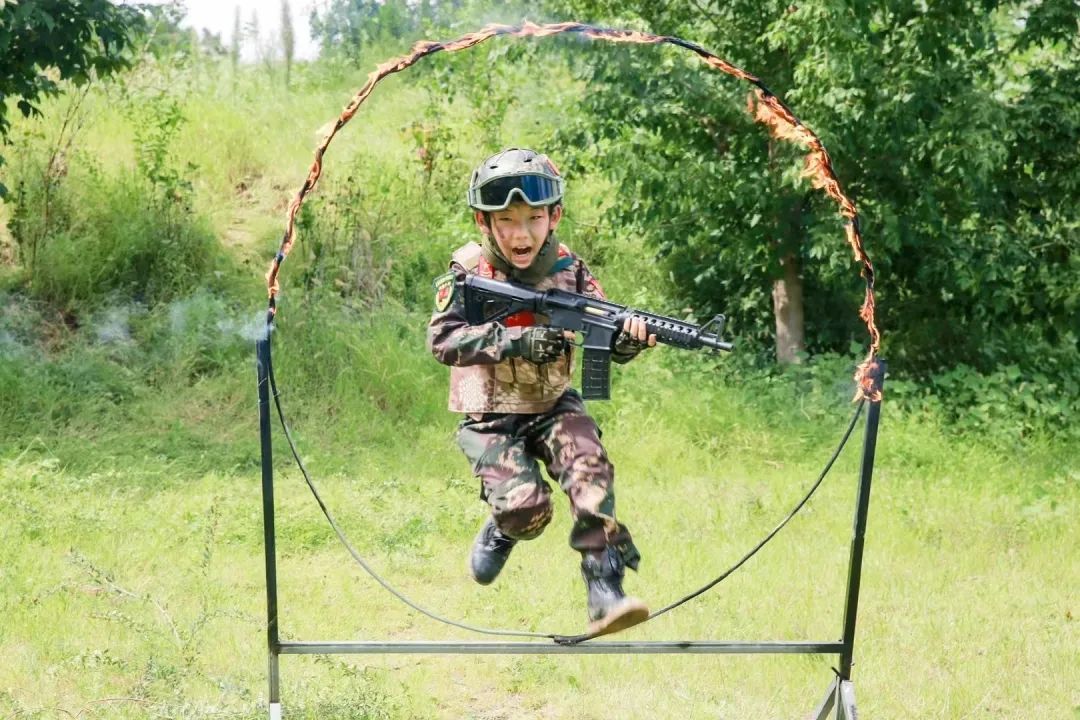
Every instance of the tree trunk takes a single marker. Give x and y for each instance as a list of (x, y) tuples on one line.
[(787, 295)]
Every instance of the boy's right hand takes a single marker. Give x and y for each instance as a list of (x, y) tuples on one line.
[(540, 344)]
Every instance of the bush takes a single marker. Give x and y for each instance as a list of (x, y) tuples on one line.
[(1007, 406), (381, 235), (40, 391), (85, 235), (113, 238)]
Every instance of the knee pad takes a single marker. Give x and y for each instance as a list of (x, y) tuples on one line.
[(526, 523)]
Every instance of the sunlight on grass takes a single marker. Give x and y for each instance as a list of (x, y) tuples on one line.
[(156, 593)]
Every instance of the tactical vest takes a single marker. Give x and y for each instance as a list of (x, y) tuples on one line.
[(514, 385)]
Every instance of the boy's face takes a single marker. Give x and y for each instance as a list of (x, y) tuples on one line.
[(520, 230)]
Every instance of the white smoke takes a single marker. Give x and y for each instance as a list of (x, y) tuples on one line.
[(115, 327), (203, 312), (251, 329), (10, 345)]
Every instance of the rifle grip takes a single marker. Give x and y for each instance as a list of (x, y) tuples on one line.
[(596, 374)]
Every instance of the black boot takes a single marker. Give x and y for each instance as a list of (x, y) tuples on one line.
[(610, 610), (489, 553)]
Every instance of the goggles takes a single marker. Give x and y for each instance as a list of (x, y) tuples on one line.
[(536, 190)]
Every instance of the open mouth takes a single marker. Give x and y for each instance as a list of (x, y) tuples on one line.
[(521, 253)]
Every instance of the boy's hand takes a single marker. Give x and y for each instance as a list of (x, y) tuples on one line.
[(540, 344), (635, 336)]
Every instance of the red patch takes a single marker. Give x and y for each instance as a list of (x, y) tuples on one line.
[(443, 294), (521, 319)]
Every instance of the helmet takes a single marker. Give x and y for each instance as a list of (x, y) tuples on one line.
[(514, 173)]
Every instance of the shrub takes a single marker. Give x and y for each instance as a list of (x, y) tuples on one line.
[(116, 241)]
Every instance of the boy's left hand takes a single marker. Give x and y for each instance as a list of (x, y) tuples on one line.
[(636, 331)]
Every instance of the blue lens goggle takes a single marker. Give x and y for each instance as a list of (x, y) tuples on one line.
[(536, 190)]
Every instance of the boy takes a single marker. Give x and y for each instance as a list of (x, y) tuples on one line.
[(512, 382)]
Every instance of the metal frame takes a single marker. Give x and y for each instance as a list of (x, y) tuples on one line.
[(839, 696)]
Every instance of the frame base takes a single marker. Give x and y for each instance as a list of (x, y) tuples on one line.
[(841, 695)]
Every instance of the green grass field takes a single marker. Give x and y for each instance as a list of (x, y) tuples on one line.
[(133, 586), (131, 552)]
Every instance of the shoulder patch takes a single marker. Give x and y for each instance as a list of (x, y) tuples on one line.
[(565, 259), (444, 291), (561, 264)]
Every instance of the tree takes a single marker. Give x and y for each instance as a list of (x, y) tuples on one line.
[(346, 26), (954, 124), (343, 27), (288, 39), (234, 45), (164, 38), (212, 44), (43, 42), (717, 197)]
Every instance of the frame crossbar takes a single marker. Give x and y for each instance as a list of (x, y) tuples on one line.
[(651, 647), (839, 700)]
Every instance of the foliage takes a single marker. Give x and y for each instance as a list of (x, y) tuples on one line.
[(114, 239), (156, 118), (385, 228), (163, 37), (487, 83), (85, 234), (347, 27), (130, 456), (376, 237), (383, 221), (46, 41), (1007, 406), (136, 499), (943, 121), (46, 391), (234, 44)]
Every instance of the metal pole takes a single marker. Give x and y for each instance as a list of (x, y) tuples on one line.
[(653, 647), (862, 506), (841, 691), (262, 352)]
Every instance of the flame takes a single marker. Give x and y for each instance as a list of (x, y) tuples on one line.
[(817, 167), (765, 107)]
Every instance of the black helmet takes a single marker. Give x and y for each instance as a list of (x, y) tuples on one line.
[(526, 174)]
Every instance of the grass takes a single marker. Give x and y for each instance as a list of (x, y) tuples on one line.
[(131, 553), (134, 588)]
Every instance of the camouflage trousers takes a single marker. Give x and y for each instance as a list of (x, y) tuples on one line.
[(504, 449)]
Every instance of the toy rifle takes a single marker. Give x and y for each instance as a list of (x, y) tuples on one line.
[(599, 321)]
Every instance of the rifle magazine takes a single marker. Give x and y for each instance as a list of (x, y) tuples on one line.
[(596, 375)]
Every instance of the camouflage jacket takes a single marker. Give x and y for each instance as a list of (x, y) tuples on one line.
[(483, 378)]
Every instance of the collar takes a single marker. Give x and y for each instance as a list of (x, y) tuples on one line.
[(541, 267)]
